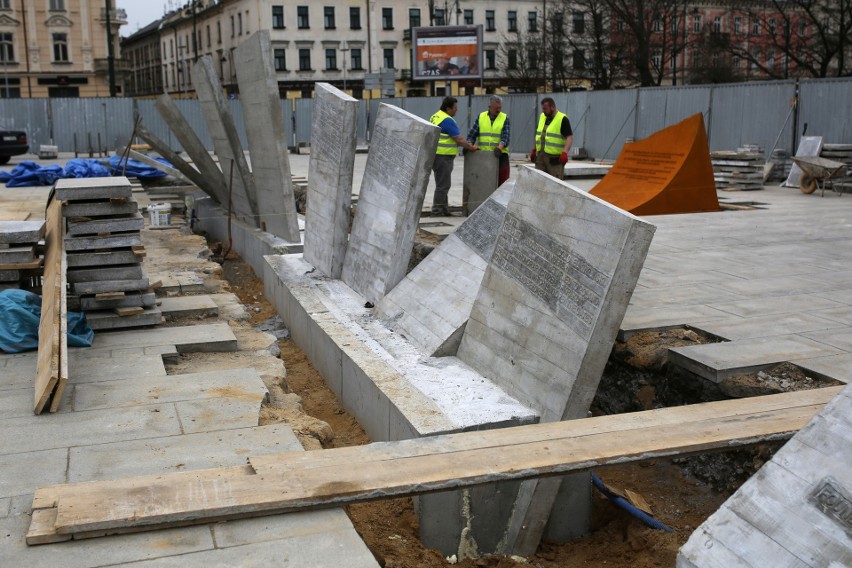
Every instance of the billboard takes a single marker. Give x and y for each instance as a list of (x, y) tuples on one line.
[(447, 52)]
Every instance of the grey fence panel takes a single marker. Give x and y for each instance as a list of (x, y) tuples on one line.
[(152, 120), (372, 107), (361, 127), (191, 111), (824, 107), (303, 115), (29, 115), (425, 107), (577, 109), (660, 107), (289, 121), (236, 109), (651, 112), (611, 120), (92, 119), (752, 113), (523, 113)]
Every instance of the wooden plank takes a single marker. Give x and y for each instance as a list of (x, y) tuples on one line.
[(411, 467), (124, 312), (24, 266), (63, 324), (50, 334)]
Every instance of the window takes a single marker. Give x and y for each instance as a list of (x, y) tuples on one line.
[(696, 24), (239, 24), (738, 25), (513, 21), (278, 17), (772, 27), (209, 43), (7, 52), (233, 27), (57, 4), (657, 59), (619, 23), (328, 17), (280, 59), (439, 17), (532, 58), (60, 48), (770, 60), (248, 22), (755, 59), (656, 24), (578, 59), (387, 57), (5, 4), (331, 59), (413, 17), (489, 21), (803, 27), (304, 60), (468, 17), (532, 18), (717, 24), (512, 57), (490, 59), (387, 18), (302, 19), (755, 27), (356, 58), (219, 32), (558, 22), (355, 18), (579, 22)]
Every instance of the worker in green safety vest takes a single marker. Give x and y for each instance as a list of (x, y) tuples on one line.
[(553, 140), (491, 133), (448, 148)]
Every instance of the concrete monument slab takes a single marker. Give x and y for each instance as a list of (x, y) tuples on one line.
[(809, 147), (563, 268), (667, 172), (431, 305), (395, 178), (276, 205), (15, 232), (330, 179), (480, 179), (99, 208), (226, 140), (76, 189)]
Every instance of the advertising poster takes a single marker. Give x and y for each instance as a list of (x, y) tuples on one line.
[(447, 52)]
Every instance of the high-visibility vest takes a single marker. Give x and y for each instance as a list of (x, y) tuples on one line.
[(446, 145), (489, 132), (554, 142)]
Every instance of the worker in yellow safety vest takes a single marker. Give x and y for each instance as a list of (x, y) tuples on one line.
[(553, 140), (448, 148), (491, 133)]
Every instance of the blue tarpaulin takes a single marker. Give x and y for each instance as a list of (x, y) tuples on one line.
[(28, 174), (19, 318)]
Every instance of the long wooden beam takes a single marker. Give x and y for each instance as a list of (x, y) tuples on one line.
[(296, 481)]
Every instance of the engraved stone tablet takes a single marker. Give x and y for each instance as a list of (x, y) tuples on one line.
[(266, 137), (402, 149), (480, 179), (330, 179), (667, 172), (431, 305), (226, 141)]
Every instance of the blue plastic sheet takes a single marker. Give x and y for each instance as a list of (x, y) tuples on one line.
[(28, 174), (79, 168), (19, 318), (135, 168)]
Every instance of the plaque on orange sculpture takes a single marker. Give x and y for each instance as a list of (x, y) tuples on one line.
[(668, 172)]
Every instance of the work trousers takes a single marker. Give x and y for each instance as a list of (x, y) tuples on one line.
[(549, 163), (443, 168)]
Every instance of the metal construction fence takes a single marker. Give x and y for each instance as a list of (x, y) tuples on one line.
[(770, 114)]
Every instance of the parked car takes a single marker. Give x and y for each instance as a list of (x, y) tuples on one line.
[(12, 143)]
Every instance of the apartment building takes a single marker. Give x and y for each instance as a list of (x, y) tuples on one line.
[(59, 48)]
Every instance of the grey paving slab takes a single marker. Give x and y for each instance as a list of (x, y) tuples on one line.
[(63, 430), (645, 319), (17, 232), (123, 224), (689, 294), (17, 372), (75, 189), (16, 402), (214, 414), (245, 384), (104, 320), (776, 305), (99, 208), (88, 365), (23, 472), (837, 367), (767, 326), (187, 452), (840, 338), (101, 286), (210, 338), (716, 361), (17, 255), (126, 272), (111, 258), (201, 306), (74, 244)]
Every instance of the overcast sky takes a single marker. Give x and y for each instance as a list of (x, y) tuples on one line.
[(140, 13)]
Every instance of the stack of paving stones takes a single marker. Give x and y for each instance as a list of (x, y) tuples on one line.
[(840, 153), (19, 259), (741, 170), (782, 163), (104, 253)]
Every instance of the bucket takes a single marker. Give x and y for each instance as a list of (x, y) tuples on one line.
[(160, 214)]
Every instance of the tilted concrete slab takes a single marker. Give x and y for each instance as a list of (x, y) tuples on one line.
[(215, 183), (148, 161), (432, 304), (480, 179), (332, 164), (795, 510), (226, 140), (17, 232), (187, 171), (261, 101), (402, 150), (76, 189)]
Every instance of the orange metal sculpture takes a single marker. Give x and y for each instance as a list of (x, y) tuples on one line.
[(668, 172)]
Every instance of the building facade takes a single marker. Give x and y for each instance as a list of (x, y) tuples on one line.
[(59, 48)]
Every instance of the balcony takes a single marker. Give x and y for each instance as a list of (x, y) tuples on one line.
[(121, 65), (405, 75), (406, 34), (119, 16)]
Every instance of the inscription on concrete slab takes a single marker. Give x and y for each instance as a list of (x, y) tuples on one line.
[(479, 232), (328, 122), (394, 162), (830, 498)]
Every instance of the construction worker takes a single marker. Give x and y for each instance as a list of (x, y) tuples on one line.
[(553, 139), (491, 134), (448, 149)]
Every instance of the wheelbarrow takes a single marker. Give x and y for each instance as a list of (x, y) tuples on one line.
[(818, 173)]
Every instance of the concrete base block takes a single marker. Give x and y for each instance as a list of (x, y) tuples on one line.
[(130, 272), (99, 208), (77, 189), (17, 255), (129, 300), (127, 240), (103, 320), (106, 225), (100, 287), (111, 258), (16, 232)]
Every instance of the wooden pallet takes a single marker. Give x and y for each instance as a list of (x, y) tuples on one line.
[(296, 481)]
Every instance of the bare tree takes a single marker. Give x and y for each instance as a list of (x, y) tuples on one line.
[(588, 33), (527, 58)]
